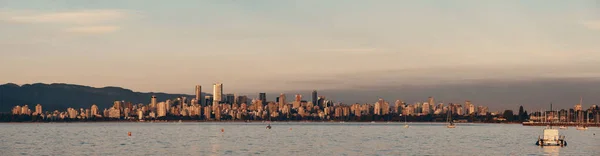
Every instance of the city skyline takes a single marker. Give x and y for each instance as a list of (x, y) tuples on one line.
[(241, 108), (210, 100)]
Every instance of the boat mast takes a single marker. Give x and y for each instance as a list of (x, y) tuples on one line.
[(552, 117)]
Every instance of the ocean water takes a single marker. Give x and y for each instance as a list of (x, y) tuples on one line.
[(285, 139)]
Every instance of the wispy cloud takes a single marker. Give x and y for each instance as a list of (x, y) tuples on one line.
[(93, 29), (98, 21), (592, 24), (65, 17), (352, 50)]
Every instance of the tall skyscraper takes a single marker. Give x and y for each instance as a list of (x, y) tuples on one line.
[(217, 94), (208, 100), (430, 101), (94, 110), (320, 101), (153, 101), (198, 92), (263, 97), (281, 100), (38, 109), (315, 97)]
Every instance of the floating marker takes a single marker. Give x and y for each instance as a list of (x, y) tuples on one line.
[(129, 133), (222, 130)]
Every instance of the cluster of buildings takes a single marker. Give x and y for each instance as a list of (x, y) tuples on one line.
[(575, 115), (232, 107)]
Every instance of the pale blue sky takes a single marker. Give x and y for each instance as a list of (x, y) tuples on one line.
[(254, 46)]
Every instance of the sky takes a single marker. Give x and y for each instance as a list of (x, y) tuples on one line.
[(286, 46)]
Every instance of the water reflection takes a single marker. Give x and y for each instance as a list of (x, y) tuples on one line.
[(551, 150)]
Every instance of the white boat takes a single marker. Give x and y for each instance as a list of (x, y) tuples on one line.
[(551, 138), (583, 128), (563, 127), (406, 126)]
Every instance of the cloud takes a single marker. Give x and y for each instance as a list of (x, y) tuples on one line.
[(65, 17), (93, 29), (593, 25), (352, 50), (96, 21)]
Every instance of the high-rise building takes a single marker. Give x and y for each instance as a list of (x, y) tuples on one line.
[(281, 100), (263, 97), (25, 110), (38, 109), (320, 101), (217, 94), (314, 97), (199, 97), (16, 110), (430, 101), (153, 101), (208, 99), (426, 107), (94, 110), (198, 92), (161, 109), (117, 105)]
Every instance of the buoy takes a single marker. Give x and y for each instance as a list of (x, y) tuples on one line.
[(129, 133), (290, 129), (222, 130)]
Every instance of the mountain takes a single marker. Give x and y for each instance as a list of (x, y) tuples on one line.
[(62, 96)]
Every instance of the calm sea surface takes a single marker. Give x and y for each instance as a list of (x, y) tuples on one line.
[(285, 139)]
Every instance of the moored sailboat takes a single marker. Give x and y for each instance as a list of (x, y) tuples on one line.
[(449, 120)]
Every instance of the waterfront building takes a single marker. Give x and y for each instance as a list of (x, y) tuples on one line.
[(153, 101), (431, 102), (281, 101), (72, 113), (217, 94), (229, 98), (161, 109), (314, 97), (207, 112), (140, 114), (198, 93), (263, 97), (16, 110), (38, 109), (470, 107), (320, 101), (25, 110), (208, 100), (426, 107)]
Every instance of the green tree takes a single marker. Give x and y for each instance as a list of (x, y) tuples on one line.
[(508, 114), (521, 116)]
